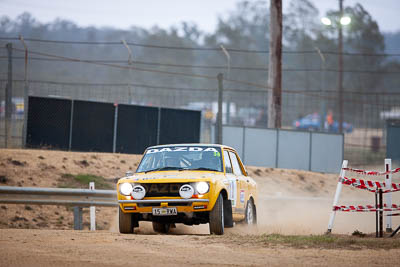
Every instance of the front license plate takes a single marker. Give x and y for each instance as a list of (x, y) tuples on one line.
[(164, 211)]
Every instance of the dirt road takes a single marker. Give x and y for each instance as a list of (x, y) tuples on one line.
[(22, 247)]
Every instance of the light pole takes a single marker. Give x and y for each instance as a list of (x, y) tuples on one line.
[(343, 21)]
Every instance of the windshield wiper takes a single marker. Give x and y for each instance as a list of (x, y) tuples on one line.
[(163, 169), (203, 169)]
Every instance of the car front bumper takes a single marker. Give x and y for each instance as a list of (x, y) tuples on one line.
[(147, 205)]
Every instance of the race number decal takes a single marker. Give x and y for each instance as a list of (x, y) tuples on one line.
[(232, 190)]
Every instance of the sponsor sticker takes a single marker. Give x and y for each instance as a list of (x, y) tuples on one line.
[(242, 196), (183, 148)]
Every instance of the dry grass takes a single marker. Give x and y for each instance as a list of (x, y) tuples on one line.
[(314, 241), (82, 180)]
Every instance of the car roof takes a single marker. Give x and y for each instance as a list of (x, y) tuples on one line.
[(193, 144)]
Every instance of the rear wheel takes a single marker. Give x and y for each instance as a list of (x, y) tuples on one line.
[(251, 215), (126, 223), (161, 227), (217, 217)]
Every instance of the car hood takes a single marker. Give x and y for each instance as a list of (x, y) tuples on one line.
[(172, 176)]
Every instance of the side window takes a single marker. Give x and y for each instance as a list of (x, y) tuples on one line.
[(236, 167), (228, 165)]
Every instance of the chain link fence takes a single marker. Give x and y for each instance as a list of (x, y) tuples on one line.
[(309, 93)]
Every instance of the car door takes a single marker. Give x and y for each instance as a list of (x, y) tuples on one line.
[(233, 196), (242, 185)]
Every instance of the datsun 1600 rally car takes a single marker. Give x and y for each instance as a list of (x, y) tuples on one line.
[(187, 183)]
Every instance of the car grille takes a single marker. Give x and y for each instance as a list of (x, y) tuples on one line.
[(162, 189)]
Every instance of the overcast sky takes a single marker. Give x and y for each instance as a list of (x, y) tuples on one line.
[(165, 13)]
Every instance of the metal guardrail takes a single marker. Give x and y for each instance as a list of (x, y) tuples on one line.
[(58, 196), (78, 198)]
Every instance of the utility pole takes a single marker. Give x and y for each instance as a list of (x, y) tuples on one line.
[(275, 65), (340, 88), (218, 135), (8, 98)]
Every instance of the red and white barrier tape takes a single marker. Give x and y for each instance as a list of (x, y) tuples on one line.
[(366, 208), (371, 172), (371, 186)]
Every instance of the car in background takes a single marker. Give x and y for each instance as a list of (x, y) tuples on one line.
[(312, 122), (187, 183)]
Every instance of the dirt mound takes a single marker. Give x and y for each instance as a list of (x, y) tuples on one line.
[(45, 168)]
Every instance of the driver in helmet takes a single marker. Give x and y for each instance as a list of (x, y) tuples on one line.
[(211, 160)]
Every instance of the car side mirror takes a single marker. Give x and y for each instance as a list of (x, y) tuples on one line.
[(129, 173)]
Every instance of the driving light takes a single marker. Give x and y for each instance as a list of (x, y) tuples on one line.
[(138, 192), (202, 187), (125, 189), (186, 191)]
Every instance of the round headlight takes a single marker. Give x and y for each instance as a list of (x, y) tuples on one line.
[(125, 189), (202, 187), (138, 192), (186, 191)]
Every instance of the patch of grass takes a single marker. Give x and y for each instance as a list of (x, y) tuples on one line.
[(82, 181), (316, 241), (358, 233)]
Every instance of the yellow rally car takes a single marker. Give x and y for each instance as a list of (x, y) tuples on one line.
[(190, 184)]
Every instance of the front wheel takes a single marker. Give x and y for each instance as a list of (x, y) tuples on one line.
[(161, 227), (251, 215), (217, 217), (126, 224)]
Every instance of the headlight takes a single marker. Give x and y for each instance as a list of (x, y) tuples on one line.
[(125, 189), (202, 187), (138, 192), (186, 191)]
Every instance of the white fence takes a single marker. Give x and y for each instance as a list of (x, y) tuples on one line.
[(290, 149)]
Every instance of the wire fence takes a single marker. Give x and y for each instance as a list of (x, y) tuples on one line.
[(187, 78)]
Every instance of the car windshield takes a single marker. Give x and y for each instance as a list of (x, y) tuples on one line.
[(181, 158)]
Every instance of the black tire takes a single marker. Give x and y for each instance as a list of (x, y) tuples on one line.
[(162, 228), (250, 213), (126, 224), (217, 217)]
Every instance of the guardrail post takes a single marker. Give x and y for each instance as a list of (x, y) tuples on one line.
[(78, 218), (92, 211)]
